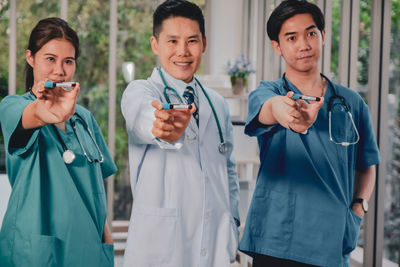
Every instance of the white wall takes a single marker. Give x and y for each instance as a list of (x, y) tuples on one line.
[(5, 191), (224, 31)]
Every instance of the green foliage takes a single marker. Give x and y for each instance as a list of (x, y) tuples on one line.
[(364, 42), (335, 37)]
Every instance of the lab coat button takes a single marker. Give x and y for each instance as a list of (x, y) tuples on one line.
[(203, 252)]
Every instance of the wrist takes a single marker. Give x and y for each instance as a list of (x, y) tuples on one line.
[(358, 209), (359, 206)]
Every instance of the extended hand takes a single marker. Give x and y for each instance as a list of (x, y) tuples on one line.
[(294, 114), (307, 114), (170, 124), (55, 105)]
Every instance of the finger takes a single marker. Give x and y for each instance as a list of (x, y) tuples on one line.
[(160, 133), (40, 88), (290, 94), (163, 115), (157, 104), (76, 89), (295, 113), (162, 125), (192, 110), (288, 99)]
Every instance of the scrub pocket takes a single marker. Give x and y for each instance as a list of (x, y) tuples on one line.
[(352, 229), (37, 251), (272, 216), (154, 235), (109, 254)]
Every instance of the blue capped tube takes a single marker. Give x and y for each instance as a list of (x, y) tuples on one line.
[(167, 106), (64, 85)]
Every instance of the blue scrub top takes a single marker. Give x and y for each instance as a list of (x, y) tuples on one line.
[(301, 204), (57, 211)]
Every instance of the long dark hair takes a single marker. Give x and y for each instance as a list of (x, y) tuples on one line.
[(45, 31)]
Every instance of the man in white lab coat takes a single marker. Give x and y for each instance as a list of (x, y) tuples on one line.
[(184, 184)]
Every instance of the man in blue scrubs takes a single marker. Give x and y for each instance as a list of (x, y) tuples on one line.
[(316, 173)]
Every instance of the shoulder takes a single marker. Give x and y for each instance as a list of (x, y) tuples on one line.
[(26, 96), (84, 113), (214, 96), (346, 91), (350, 95), (268, 86), (148, 86), (16, 102)]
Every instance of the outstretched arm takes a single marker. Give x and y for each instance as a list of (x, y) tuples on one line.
[(51, 106)]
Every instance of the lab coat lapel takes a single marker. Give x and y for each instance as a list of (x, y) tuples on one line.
[(205, 113)]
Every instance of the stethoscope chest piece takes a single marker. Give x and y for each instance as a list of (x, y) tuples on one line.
[(68, 156), (223, 148)]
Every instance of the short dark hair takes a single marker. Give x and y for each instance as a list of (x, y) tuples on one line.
[(288, 9), (177, 8), (45, 31)]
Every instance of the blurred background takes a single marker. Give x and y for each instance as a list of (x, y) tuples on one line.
[(362, 51)]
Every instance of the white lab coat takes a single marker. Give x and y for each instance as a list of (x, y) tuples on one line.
[(186, 194)]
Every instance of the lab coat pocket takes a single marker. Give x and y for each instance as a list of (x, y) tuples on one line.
[(154, 234), (37, 250), (352, 229), (234, 240), (272, 216)]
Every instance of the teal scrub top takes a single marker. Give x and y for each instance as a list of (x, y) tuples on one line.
[(57, 211), (300, 208)]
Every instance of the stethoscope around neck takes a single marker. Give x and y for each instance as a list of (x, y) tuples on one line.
[(330, 103), (222, 145), (68, 155)]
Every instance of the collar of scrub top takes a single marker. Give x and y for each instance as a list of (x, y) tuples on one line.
[(68, 155), (334, 96), (181, 86)]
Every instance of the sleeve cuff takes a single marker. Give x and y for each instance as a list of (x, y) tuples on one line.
[(173, 145)]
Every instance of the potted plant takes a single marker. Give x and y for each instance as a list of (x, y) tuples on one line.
[(239, 73)]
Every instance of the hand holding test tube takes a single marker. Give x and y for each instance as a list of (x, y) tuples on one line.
[(167, 106), (67, 86)]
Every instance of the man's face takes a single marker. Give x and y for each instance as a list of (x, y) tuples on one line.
[(179, 47), (300, 43)]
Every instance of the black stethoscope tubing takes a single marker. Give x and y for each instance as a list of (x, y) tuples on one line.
[(330, 102), (331, 99), (222, 146)]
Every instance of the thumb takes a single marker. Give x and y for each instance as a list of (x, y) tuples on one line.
[(193, 109), (290, 94), (157, 104)]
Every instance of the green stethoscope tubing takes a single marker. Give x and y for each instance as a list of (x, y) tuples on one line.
[(222, 146)]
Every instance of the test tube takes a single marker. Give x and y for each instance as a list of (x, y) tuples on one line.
[(176, 106), (306, 97), (65, 85)]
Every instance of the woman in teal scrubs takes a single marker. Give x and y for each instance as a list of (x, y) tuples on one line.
[(56, 162)]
